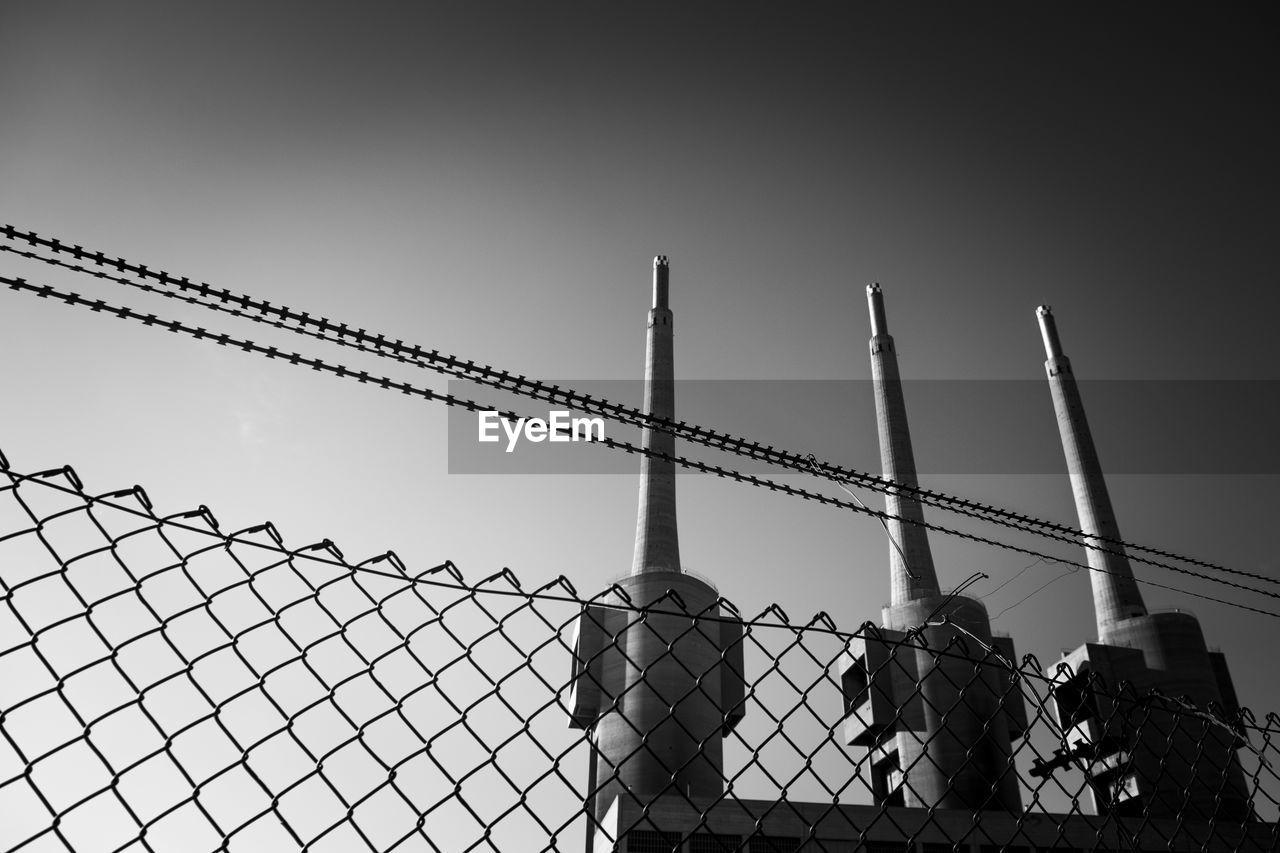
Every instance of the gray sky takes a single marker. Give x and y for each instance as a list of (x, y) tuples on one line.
[(493, 180)]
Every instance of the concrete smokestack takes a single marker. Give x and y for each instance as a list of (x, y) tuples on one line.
[(657, 540), (1115, 591), (898, 464), (945, 743), (1049, 332), (1169, 765), (661, 281), (657, 691)]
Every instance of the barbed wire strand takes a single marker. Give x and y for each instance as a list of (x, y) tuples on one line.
[(386, 383), (341, 334)]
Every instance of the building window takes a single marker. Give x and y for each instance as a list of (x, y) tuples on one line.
[(1074, 700), (887, 780), (853, 683)]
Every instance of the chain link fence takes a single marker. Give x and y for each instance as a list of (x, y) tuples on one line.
[(169, 686)]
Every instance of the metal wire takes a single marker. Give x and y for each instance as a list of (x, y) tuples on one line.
[(386, 383), (242, 305), (169, 686)]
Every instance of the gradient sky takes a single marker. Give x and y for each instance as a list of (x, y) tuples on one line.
[(493, 180)]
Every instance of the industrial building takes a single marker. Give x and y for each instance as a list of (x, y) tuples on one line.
[(1139, 760), (659, 689)]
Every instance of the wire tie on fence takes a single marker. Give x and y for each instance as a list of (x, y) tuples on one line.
[(504, 574), (202, 512), (560, 581), (823, 618), (323, 545), (775, 610), (265, 527), (134, 492), (447, 566), (725, 604), (615, 589), (669, 594), (65, 471), (394, 559)]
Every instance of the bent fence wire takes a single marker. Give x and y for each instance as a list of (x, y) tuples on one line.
[(170, 686)]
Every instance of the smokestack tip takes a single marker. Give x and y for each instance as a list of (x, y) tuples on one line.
[(875, 301), (1049, 331), (660, 274)]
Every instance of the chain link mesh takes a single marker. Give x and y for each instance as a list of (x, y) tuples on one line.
[(171, 686)]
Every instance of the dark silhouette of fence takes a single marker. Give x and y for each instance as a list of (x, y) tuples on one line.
[(166, 685)]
